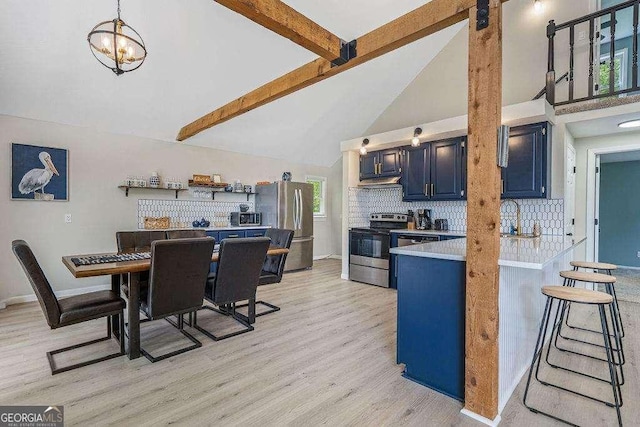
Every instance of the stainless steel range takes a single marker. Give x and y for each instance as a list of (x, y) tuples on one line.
[(369, 248)]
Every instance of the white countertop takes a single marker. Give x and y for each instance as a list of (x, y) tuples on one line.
[(430, 232), (514, 252)]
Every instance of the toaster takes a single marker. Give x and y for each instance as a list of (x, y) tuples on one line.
[(441, 225)]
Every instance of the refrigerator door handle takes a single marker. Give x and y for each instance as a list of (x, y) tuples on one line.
[(301, 210), (295, 209)]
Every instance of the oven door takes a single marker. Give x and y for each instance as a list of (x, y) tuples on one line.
[(369, 248)]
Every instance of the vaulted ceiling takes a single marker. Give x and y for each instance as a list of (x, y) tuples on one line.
[(202, 55)]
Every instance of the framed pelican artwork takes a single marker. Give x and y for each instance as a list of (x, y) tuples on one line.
[(39, 173)]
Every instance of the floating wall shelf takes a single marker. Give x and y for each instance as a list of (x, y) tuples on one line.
[(126, 189)]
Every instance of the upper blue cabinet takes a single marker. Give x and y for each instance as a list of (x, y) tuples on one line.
[(380, 164), (434, 171), (527, 173)]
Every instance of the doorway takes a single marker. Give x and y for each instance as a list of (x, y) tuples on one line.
[(616, 223)]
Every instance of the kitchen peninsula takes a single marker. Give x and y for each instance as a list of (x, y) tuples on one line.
[(431, 307)]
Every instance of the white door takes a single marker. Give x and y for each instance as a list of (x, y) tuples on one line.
[(596, 212), (570, 192)]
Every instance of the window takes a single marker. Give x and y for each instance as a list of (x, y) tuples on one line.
[(319, 195), (620, 71)]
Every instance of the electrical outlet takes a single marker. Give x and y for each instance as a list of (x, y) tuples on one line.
[(67, 219)]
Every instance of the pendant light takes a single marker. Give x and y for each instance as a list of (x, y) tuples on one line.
[(363, 148), (538, 6), (117, 46), (416, 133)]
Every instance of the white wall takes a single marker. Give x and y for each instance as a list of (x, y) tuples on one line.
[(98, 162), (582, 145)]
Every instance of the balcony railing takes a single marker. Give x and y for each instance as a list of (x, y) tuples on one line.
[(604, 67)]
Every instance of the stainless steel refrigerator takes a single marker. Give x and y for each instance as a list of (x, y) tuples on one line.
[(289, 205)]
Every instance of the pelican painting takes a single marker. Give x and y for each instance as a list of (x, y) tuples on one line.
[(35, 168)]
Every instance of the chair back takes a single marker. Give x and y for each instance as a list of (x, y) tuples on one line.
[(186, 234), (280, 237), (137, 241), (239, 268), (179, 270), (39, 283)]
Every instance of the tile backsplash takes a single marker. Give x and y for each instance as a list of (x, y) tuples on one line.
[(184, 212), (362, 202)]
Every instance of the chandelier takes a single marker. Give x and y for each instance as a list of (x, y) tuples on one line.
[(117, 46)]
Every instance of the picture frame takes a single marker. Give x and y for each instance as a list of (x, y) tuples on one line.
[(217, 178), (39, 173)]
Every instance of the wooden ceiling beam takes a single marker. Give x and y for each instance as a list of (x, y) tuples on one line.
[(287, 22), (421, 22)]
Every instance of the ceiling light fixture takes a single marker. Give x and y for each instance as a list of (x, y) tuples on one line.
[(416, 133), (538, 6), (117, 46), (363, 148), (630, 124)]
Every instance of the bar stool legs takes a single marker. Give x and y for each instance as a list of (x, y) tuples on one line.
[(552, 295)]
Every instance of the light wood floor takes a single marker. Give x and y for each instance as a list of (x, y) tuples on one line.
[(327, 358)]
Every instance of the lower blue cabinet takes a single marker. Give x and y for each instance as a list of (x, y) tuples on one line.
[(259, 232)]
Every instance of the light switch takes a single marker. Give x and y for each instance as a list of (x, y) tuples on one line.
[(67, 218)]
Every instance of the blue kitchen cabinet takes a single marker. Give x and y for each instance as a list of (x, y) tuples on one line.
[(527, 172), (232, 234), (416, 178), (431, 323), (369, 165), (448, 167), (380, 164), (435, 171), (258, 232)]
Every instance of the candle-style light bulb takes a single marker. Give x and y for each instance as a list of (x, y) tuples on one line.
[(538, 6), (106, 44)]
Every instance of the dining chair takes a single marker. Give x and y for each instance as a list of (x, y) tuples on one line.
[(185, 234), (177, 278), (137, 241), (72, 310), (236, 279), (273, 266)]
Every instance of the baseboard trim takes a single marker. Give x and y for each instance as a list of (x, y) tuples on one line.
[(60, 294), (319, 257), (628, 267), (344, 276), (483, 420)]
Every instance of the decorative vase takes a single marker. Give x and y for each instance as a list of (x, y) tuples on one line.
[(286, 176)]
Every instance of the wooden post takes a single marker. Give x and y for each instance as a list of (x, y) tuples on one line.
[(483, 214)]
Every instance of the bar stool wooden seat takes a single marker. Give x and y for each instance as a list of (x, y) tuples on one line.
[(593, 265), (583, 276), (565, 295)]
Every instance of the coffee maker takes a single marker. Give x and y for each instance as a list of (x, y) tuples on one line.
[(423, 219)]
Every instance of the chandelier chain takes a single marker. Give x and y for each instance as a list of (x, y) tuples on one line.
[(118, 10)]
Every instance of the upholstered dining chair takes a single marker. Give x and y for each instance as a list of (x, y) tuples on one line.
[(185, 234), (69, 311), (236, 279), (179, 270), (137, 241), (273, 266)]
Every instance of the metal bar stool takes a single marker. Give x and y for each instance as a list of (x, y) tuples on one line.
[(607, 268), (564, 295), (570, 279)]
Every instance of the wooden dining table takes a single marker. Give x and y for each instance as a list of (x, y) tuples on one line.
[(133, 270)]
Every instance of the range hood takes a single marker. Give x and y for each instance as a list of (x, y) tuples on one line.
[(379, 182)]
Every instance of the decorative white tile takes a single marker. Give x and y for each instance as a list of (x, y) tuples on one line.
[(187, 211), (548, 212)]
